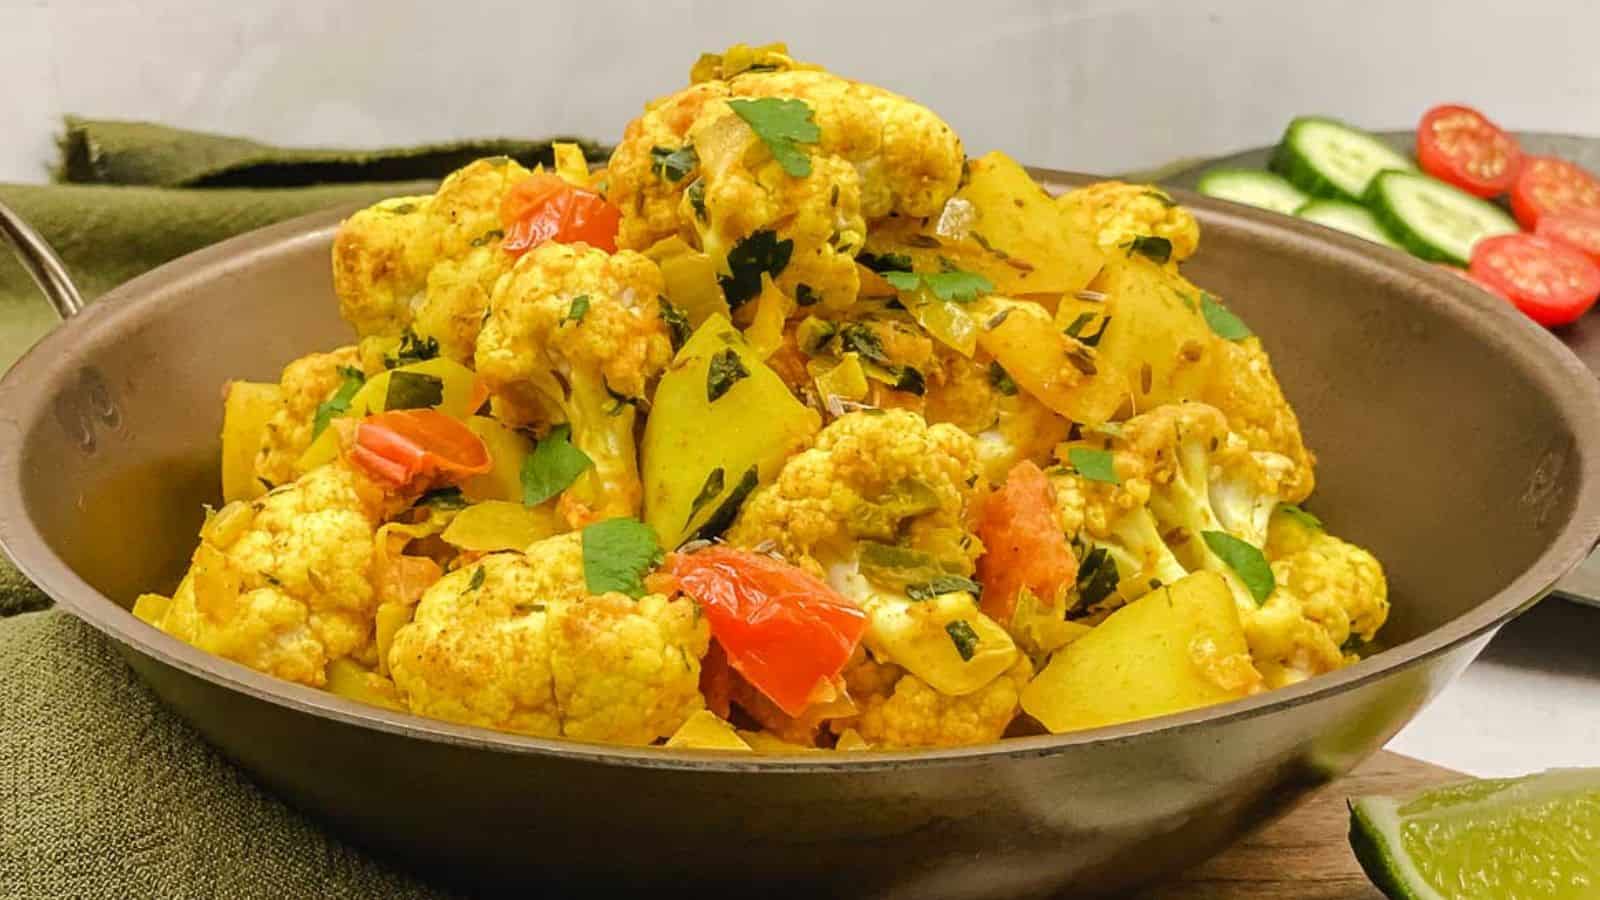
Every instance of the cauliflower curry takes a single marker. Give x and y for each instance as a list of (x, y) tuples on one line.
[(793, 427)]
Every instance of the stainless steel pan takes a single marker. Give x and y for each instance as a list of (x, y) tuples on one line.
[(1458, 441)]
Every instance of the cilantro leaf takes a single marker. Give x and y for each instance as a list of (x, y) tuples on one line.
[(1075, 328), (910, 380), (965, 639), (1224, 324), (1097, 577), (444, 498), (860, 339), (1301, 516), (578, 309), (725, 370), (710, 489), (678, 327), (1095, 465), (552, 466), (696, 192), (673, 165), (1246, 560), (758, 253), (903, 281), (616, 554), (1158, 249), (412, 349), (339, 403), (1001, 379), (413, 390), (952, 285), (885, 262), (728, 509), (478, 575), (781, 125), (806, 295), (943, 584)]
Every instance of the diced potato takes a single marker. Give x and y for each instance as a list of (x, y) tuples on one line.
[(756, 424), (390, 619), (350, 680), (851, 739), (502, 525), (571, 164), (765, 333), (151, 608), (1176, 648), (1155, 338), (245, 410), (705, 731), (462, 393), (917, 636), (1018, 220), (845, 380), (1023, 337), (508, 449), (691, 280)]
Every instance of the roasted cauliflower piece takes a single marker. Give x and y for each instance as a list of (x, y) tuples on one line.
[(1116, 212), (654, 162), (306, 383), (575, 335), (899, 709), (425, 264), (514, 641), (981, 398), (281, 583), (1248, 393)]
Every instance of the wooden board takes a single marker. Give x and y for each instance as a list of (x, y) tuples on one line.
[(1305, 855)]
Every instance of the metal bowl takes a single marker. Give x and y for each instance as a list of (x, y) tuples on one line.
[(1458, 441)]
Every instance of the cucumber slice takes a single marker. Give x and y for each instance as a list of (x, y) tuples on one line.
[(1326, 158), (1432, 219), (1252, 188), (1348, 218)]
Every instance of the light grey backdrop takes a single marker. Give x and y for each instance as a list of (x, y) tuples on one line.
[(1100, 85)]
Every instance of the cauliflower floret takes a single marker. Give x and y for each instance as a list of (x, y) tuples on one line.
[(280, 584), (1116, 212), (1247, 392), (305, 384), (980, 398), (885, 477), (575, 335), (385, 260), (641, 179), (516, 642), (899, 709)]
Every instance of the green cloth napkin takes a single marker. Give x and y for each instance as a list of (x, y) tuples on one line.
[(103, 792)]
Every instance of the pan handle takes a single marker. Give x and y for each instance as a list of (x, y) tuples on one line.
[(42, 264)]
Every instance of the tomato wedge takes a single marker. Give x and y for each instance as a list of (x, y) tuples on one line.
[(1578, 229), (1024, 546), (418, 450), (1549, 185), (783, 629), (544, 207), (1460, 146), (1550, 282)]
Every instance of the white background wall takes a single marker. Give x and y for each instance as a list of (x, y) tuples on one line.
[(1094, 84)]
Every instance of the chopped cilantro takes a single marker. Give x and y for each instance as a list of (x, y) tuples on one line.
[(861, 339), (1001, 379), (616, 554), (413, 390), (678, 327), (728, 509), (578, 309), (339, 403), (805, 295), (1097, 577), (488, 237), (1224, 324), (1158, 249), (943, 584), (401, 209), (951, 285), (444, 498), (725, 370), (1246, 560), (965, 639), (477, 580), (412, 349), (1075, 329), (885, 262), (910, 380), (552, 466), (710, 489), (1078, 321), (782, 125), (1095, 465), (758, 253), (673, 165), (696, 192)]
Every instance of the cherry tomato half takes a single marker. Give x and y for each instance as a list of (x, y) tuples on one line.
[(1023, 545), (1460, 146), (544, 207), (1578, 229), (1549, 185), (1552, 283), (783, 629), (418, 449)]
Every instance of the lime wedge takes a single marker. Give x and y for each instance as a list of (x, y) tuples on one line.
[(1532, 838)]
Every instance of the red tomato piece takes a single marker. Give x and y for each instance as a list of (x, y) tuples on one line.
[(1578, 229), (418, 449), (1549, 185), (1551, 283), (783, 629), (544, 207), (1024, 546), (1460, 146)]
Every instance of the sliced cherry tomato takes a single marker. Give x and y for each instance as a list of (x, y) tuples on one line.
[(784, 630), (1459, 145), (1578, 229), (1551, 283), (1549, 185), (1024, 546), (418, 449), (543, 207)]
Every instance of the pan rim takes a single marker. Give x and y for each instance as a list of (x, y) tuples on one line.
[(1571, 387)]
